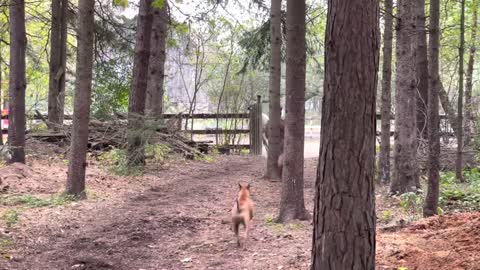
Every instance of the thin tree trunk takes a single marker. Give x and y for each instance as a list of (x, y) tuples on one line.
[(58, 60), (156, 68), (431, 200), (421, 68), (386, 94), (469, 118), (448, 108), (17, 82), (461, 51), (275, 140), (292, 205), (405, 177), (224, 85), (82, 99), (136, 107), (344, 209)]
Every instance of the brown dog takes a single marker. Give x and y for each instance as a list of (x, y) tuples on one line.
[(242, 212)]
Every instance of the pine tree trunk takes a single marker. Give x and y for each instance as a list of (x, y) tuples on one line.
[(156, 68), (431, 200), (344, 212), (292, 205), (386, 94), (405, 177), (469, 115), (421, 68), (136, 107), (82, 99), (17, 82), (58, 60), (275, 138), (1, 96), (461, 51)]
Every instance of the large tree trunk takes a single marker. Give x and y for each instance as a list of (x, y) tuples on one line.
[(461, 51), (431, 200), (58, 60), (344, 213), (275, 140), (136, 106), (156, 67), (82, 99), (421, 68), (292, 205), (469, 115), (405, 177), (17, 82), (1, 96), (384, 171)]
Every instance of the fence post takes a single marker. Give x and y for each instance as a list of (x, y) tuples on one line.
[(255, 125), (259, 125)]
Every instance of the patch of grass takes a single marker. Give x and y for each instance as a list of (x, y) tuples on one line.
[(295, 226), (5, 243), (10, 217), (116, 162), (386, 216), (269, 220), (205, 158), (35, 202)]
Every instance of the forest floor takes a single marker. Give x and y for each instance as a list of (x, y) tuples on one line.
[(173, 217)]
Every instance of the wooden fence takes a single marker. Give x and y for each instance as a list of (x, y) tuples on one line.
[(254, 131)]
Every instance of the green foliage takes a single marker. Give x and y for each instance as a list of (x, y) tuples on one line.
[(158, 4), (115, 161), (39, 128), (121, 3), (464, 195), (158, 152), (411, 203), (35, 202), (386, 216), (10, 217)]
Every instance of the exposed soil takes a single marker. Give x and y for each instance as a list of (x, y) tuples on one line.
[(175, 216)]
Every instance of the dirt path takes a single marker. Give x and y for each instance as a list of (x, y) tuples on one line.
[(175, 223), (173, 219)]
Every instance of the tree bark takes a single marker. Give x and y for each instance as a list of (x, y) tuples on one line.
[(136, 106), (82, 99), (275, 140), (421, 68), (461, 51), (469, 115), (292, 205), (1, 96), (156, 68), (384, 171), (344, 211), (431, 200), (17, 82), (58, 61), (405, 177)]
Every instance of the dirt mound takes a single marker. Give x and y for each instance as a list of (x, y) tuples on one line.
[(446, 242)]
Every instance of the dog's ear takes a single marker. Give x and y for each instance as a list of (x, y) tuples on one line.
[(239, 185), (248, 186)]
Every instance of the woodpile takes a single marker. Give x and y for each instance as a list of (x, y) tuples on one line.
[(106, 135)]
